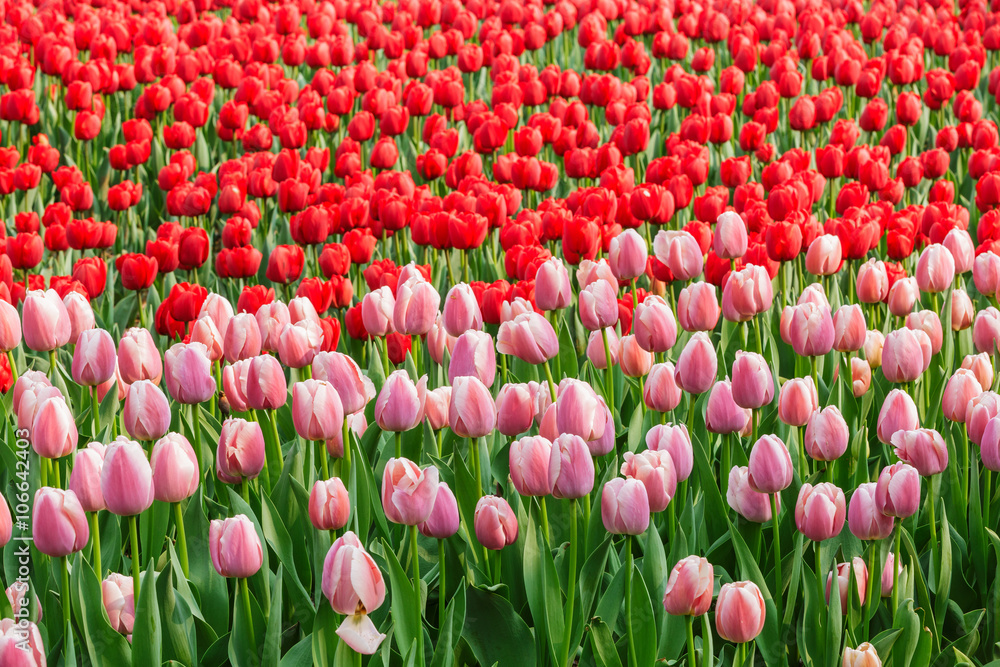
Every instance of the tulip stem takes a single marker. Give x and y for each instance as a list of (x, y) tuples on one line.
[(95, 411), (95, 533), (347, 451), (571, 589), (628, 601), (474, 452), (196, 427), (245, 490), (778, 581), (399, 444), (67, 616), (416, 593), (689, 621), (872, 569), (13, 366), (608, 372), (442, 587), (545, 518), (384, 348), (552, 384), (182, 549), (324, 464), (965, 463), (820, 584), (987, 495), (52, 363), (895, 568), (931, 501), (815, 375), (134, 535), (245, 594)]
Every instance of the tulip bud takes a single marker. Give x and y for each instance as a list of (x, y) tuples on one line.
[(744, 500), (656, 472), (85, 480), (235, 547), (676, 441), (627, 255), (118, 597), (827, 435), (722, 414), (578, 411), (146, 415), (58, 523), (863, 656), (175, 469), (340, 370), (408, 492), (898, 490), (653, 324), (495, 523), (94, 358), (188, 373), (820, 511), (316, 410), (770, 465), (924, 449), (690, 587), (625, 507), (898, 413), (861, 377), (473, 355), (844, 580), (753, 386), (443, 521), (529, 465), (329, 504), (46, 322), (240, 454), (739, 612), (697, 365), (962, 387), (461, 311), (53, 430), (138, 357), (730, 240), (400, 404), (472, 413), (126, 478), (698, 307), (529, 337), (661, 392), (571, 467), (863, 517)]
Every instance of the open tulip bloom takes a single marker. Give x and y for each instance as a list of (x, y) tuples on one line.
[(481, 323)]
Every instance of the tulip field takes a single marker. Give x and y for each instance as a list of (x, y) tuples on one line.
[(434, 333)]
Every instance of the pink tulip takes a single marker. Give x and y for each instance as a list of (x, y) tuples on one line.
[(770, 465), (299, 343), (355, 587), (595, 348), (377, 309), (814, 294), (461, 311), (697, 365), (827, 435), (316, 410), (962, 249), (750, 504), (797, 401), (53, 430), (175, 469), (962, 387), (902, 357), (495, 523), (661, 392), (635, 361), (986, 273), (698, 307), (653, 325), (863, 656), (118, 597), (400, 404), (571, 467), (472, 413), (963, 313), (235, 547), (811, 330), (730, 240), (58, 523), (436, 407), (825, 255), (680, 252), (552, 286), (301, 309), (753, 386), (45, 321), (897, 492), (340, 370), (219, 309), (591, 271), (578, 411), (240, 454), (928, 322), (444, 520), (138, 357), (978, 412), (872, 282), (126, 478), (861, 377), (204, 331), (146, 415), (10, 327), (888, 579), (863, 516), (903, 296), (874, 342), (722, 414), (689, 588), (674, 440), (849, 328), (820, 511), (625, 507), (922, 448), (529, 465), (188, 373), (329, 504), (81, 315), (898, 413), (627, 255), (739, 612), (17, 596), (746, 293), (30, 400), (655, 469), (271, 320), (408, 492), (85, 480), (266, 386), (529, 337), (515, 409), (986, 330), (21, 643), (415, 307), (242, 340), (474, 355), (935, 269), (844, 576), (598, 305), (94, 358)]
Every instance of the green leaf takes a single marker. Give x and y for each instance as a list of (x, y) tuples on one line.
[(495, 632), (605, 653), (272, 636), (770, 643), (146, 634), (541, 585), (450, 634), (104, 646), (406, 623), (643, 622), (180, 638), (299, 655)]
